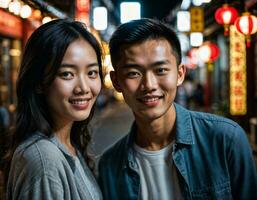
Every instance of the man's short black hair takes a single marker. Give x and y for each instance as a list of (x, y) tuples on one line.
[(137, 31)]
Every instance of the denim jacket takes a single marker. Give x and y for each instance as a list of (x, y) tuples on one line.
[(212, 156)]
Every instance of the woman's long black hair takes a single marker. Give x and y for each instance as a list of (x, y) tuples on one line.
[(42, 57)]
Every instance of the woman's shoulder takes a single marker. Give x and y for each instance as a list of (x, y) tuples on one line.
[(37, 153)]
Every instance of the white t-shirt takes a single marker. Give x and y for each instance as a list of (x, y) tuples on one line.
[(158, 176)]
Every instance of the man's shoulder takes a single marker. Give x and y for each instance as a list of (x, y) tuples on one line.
[(115, 151), (215, 124), (212, 118)]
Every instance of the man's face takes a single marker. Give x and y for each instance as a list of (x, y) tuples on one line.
[(148, 76)]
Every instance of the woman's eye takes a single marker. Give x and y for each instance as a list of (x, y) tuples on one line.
[(93, 74), (66, 75)]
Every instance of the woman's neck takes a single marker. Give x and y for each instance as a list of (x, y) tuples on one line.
[(63, 134)]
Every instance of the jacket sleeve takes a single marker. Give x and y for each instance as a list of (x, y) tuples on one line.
[(45, 188), (242, 167)]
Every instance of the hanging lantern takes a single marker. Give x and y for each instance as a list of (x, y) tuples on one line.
[(193, 58), (226, 15), (209, 52), (247, 25)]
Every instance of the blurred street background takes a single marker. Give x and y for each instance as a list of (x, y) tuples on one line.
[(219, 48)]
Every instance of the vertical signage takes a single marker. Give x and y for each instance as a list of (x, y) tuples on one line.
[(83, 11), (196, 19), (238, 96)]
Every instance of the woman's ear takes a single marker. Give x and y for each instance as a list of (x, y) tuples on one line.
[(115, 81), (181, 74)]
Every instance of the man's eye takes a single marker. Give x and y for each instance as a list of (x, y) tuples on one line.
[(161, 71), (66, 75), (133, 74), (93, 74)]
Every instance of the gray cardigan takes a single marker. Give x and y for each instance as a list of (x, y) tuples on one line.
[(44, 169)]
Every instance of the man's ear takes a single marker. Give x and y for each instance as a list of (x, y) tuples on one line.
[(181, 74), (115, 81)]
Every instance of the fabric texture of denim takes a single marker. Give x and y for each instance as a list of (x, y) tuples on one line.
[(212, 156), (42, 169)]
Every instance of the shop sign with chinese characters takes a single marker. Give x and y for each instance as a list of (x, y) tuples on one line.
[(238, 96)]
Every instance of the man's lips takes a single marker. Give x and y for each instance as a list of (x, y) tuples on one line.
[(150, 100)]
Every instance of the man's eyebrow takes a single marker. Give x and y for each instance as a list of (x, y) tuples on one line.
[(161, 62), (154, 64)]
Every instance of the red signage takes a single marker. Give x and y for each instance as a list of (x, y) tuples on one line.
[(82, 11), (10, 25)]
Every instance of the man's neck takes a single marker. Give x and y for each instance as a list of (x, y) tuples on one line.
[(158, 133)]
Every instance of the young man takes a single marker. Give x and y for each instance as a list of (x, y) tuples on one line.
[(170, 152)]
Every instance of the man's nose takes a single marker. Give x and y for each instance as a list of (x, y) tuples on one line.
[(149, 82)]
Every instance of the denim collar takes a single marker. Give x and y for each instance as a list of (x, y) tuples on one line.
[(183, 134)]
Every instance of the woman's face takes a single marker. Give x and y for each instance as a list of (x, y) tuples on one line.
[(73, 92)]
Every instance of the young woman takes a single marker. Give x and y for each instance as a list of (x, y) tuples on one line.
[(59, 80)]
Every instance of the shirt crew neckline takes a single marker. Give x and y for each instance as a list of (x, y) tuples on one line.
[(165, 150)]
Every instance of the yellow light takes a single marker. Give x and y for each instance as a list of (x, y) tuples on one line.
[(46, 19), (107, 81), (118, 96)]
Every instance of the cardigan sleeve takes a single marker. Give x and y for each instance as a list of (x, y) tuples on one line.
[(45, 188)]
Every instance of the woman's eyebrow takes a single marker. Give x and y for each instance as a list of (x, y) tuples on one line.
[(74, 66)]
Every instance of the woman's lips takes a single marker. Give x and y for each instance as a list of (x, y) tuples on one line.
[(79, 104)]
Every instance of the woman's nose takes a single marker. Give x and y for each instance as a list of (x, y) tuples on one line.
[(81, 86)]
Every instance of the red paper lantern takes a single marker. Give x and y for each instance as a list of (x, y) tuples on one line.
[(226, 15), (209, 52), (247, 25)]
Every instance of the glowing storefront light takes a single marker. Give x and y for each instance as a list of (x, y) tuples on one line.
[(130, 11), (15, 7), (25, 11), (183, 21), (197, 2), (4, 3), (196, 39), (185, 4), (100, 18)]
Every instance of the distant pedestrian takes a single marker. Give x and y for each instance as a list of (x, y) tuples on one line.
[(4, 117), (170, 152), (198, 97), (59, 80)]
